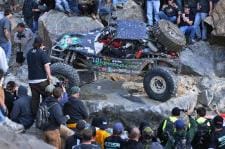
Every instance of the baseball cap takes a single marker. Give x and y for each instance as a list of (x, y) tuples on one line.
[(103, 123), (147, 131), (179, 124), (74, 90), (118, 128)]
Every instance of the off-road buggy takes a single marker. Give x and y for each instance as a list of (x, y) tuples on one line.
[(125, 47)]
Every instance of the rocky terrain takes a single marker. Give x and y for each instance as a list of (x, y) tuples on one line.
[(201, 81)]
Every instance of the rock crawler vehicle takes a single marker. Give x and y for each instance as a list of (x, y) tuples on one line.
[(124, 47)]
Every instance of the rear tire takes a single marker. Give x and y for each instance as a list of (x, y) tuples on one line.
[(160, 84), (169, 35), (66, 71)]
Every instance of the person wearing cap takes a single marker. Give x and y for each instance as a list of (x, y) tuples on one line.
[(21, 111), (185, 21), (115, 141), (180, 136), (149, 140), (76, 139), (75, 108), (101, 133), (217, 137), (39, 72), (167, 125)]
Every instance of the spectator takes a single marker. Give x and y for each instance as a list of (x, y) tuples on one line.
[(49, 90), (63, 6), (4, 121), (5, 33), (75, 108), (153, 8), (115, 141), (21, 112), (180, 4), (73, 6), (24, 38), (56, 118), (193, 6), (201, 137), (185, 23), (169, 11), (202, 13), (133, 142), (3, 61), (102, 134), (180, 137), (39, 73), (28, 5), (148, 140), (218, 134), (104, 11), (36, 14), (10, 95), (167, 126), (76, 138), (212, 4), (88, 7), (88, 137)]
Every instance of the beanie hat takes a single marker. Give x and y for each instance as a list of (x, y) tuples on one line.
[(81, 125), (147, 131), (22, 91), (74, 90), (218, 121), (179, 124), (118, 128)]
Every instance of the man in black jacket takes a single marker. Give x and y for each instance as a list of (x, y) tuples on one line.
[(21, 111), (75, 108), (56, 118), (133, 142)]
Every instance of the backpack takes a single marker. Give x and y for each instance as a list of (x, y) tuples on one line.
[(42, 118), (182, 143), (165, 132), (201, 137)]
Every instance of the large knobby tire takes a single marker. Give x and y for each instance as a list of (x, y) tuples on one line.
[(66, 71), (169, 35), (160, 84)]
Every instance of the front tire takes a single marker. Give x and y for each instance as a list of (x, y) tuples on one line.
[(66, 71), (160, 84)]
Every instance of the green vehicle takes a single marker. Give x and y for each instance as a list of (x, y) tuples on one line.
[(124, 47)]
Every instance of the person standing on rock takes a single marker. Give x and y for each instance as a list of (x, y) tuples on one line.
[(152, 11), (39, 72), (75, 108), (28, 5), (5, 33)]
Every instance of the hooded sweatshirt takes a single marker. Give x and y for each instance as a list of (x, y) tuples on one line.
[(21, 112)]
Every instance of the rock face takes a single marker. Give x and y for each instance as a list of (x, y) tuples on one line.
[(131, 10), (10, 140), (217, 19), (52, 24)]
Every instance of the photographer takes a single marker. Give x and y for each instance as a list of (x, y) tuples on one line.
[(24, 39)]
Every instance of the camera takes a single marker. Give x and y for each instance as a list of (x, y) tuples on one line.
[(183, 110), (20, 35), (60, 84)]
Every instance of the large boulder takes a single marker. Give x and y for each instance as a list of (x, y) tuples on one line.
[(131, 10), (52, 24), (198, 59), (217, 19), (11, 140)]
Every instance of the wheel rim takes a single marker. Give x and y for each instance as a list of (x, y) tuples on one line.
[(158, 84)]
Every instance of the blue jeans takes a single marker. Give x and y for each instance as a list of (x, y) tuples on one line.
[(180, 4), (73, 6), (189, 30), (2, 117), (35, 26), (118, 1), (152, 11), (199, 19), (62, 5), (162, 15), (7, 48)]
